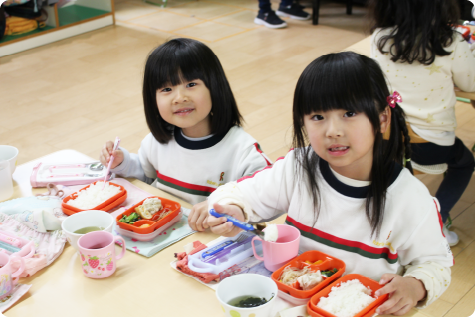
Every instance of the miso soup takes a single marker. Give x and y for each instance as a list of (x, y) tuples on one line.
[(88, 229), (248, 301)]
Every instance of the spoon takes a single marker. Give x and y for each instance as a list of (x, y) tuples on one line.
[(116, 145)]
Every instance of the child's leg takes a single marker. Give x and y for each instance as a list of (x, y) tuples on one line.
[(264, 6), (460, 163)]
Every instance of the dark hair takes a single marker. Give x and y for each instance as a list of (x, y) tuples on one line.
[(421, 28), (181, 60), (354, 83)]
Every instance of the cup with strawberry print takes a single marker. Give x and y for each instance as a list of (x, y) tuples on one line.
[(97, 253)]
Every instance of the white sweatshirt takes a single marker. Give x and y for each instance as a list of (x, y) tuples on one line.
[(427, 91), (192, 170), (411, 241)]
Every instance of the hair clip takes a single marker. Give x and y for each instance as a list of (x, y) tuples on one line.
[(392, 99)]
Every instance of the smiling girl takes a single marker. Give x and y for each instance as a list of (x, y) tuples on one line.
[(347, 192), (196, 142)]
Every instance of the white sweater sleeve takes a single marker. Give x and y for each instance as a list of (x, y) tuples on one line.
[(463, 65), (427, 256), (252, 160), (263, 196), (137, 165)]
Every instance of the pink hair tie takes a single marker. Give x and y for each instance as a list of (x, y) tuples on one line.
[(392, 99)]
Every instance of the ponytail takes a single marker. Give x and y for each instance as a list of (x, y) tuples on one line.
[(399, 143)]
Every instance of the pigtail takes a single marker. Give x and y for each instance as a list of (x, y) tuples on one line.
[(399, 143), (406, 159)]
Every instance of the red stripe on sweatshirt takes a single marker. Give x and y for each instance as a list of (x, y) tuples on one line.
[(186, 185), (349, 243)]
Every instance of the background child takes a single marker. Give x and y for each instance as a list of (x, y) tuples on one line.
[(196, 142), (423, 60), (347, 194)]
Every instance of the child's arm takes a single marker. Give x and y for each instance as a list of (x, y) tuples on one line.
[(427, 257), (136, 165), (252, 160), (463, 65), (262, 196)]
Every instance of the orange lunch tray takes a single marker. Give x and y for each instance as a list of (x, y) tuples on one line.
[(154, 225), (368, 311), (329, 263), (114, 204), (110, 203)]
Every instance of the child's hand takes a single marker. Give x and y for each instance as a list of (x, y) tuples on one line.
[(220, 225), (404, 293), (107, 152), (198, 216)]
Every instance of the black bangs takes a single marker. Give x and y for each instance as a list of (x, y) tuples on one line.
[(174, 64), (332, 82)]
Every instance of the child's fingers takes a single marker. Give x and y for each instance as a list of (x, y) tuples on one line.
[(386, 289), (394, 304), (213, 221), (404, 310), (202, 223), (386, 278), (192, 219)]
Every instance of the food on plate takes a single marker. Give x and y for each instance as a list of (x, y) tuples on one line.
[(303, 279), (313, 263), (145, 225), (133, 217), (248, 301), (149, 207), (271, 233), (160, 216), (329, 273), (347, 300), (94, 195)]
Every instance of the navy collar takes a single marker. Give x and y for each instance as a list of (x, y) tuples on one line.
[(196, 145), (350, 191)]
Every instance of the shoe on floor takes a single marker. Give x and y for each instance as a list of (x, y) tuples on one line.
[(270, 19), (452, 237), (293, 11)]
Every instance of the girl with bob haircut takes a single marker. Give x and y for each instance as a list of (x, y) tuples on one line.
[(423, 56), (196, 142), (347, 194)]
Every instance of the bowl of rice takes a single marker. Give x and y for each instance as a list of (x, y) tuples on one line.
[(93, 197), (350, 296)]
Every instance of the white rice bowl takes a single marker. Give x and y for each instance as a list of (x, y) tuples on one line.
[(347, 300), (93, 196)]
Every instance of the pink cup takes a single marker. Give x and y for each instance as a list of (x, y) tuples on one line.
[(276, 254), (9, 279), (97, 252)]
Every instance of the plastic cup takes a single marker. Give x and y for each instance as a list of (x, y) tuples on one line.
[(9, 153), (6, 184)]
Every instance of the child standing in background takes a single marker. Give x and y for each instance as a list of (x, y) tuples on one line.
[(196, 142), (349, 195), (422, 56)]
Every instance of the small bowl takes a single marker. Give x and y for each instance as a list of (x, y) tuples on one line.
[(9, 153), (368, 311), (154, 225), (328, 263), (109, 204), (87, 218), (246, 285)]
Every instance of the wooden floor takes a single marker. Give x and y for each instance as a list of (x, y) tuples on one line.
[(80, 92)]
